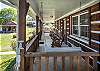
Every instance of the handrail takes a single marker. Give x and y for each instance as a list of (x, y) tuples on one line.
[(33, 44), (27, 42), (75, 53), (55, 55)]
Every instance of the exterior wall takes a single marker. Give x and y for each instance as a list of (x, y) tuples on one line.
[(93, 42)]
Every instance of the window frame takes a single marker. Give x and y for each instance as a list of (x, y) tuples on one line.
[(79, 26)]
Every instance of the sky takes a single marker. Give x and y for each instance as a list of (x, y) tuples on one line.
[(2, 6)]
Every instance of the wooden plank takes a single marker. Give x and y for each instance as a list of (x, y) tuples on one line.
[(39, 64), (78, 63), (47, 63), (36, 54), (71, 63), (89, 21), (55, 63), (31, 64), (63, 63), (21, 59), (95, 66), (37, 21), (87, 62)]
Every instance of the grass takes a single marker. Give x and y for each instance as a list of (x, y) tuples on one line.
[(5, 41), (5, 60), (8, 60)]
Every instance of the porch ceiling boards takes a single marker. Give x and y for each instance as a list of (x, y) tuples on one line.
[(58, 8), (52, 9)]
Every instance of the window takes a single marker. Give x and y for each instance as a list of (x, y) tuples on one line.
[(84, 25), (80, 25), (75, 25)]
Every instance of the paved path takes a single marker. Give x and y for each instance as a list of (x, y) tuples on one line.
[(10, 52)]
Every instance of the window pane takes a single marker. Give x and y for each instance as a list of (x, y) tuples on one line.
[(84, 31), (84, 19), (75, 20), (75, 30)]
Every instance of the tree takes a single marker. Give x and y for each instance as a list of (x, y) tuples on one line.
[(7, 14)]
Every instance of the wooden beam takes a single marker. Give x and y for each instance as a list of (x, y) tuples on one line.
[(37, 21), (22, 12), (22, 21), (27, 7)]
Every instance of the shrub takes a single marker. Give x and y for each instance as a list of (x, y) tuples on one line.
[(14, 36), (13, 45)]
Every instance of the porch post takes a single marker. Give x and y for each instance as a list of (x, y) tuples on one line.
[(37, 21), (21, 29)]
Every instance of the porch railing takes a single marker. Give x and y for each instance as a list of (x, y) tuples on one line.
[(73, 57), (32, 44)]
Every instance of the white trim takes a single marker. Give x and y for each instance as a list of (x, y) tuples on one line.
[(79, 26), (95, 12), (95, 41), (97, 32), (80, 39), (67, 19), (86, 12), (8, 25), (71, 44), (67, 32), (93, 22), (78, 9), (83, 44), (74, 25), (75, 15), (70, 25), (84, 25)]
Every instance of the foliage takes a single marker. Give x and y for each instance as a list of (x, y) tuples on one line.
[(30, 32), (7, 14), (6, 60), (13, 44)]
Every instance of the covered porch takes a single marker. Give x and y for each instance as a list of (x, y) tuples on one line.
[(67, 49)]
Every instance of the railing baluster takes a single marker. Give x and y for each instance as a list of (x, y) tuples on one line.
[(95, 66), (87, 62), (63, 63), (21, 59), (39, 64), (71, 62), (55, 63), (31, 63), (78, 63), (47, 63)]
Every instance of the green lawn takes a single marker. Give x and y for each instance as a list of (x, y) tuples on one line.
[(6, 41), (5, 45), (5, 60)]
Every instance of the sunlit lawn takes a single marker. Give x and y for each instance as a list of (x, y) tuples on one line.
[(5, 41), (5, 46), (5, 60)]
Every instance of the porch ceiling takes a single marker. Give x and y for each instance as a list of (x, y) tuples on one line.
[(58, 8), (53, 9)]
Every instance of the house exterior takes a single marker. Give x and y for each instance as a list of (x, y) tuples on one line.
[(81, 28), (8, 27)]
